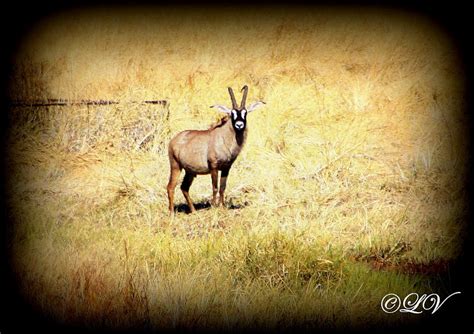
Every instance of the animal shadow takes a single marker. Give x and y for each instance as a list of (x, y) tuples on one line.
[(206, 205)]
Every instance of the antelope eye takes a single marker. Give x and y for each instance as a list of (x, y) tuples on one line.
[(244, 113), (234, 114)]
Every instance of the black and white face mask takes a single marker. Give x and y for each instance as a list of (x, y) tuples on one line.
[(239, 119)]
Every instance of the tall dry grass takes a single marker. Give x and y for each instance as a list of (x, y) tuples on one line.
[(358, 153)]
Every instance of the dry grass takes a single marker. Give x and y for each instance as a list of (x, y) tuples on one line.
[(359, 150)]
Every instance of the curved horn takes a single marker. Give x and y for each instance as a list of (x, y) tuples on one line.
[(244, 97), (232, 97)]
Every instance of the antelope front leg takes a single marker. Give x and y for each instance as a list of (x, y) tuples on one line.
[(223, 182), (214, 175)]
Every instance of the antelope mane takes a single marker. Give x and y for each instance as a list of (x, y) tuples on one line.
[(219, 123)]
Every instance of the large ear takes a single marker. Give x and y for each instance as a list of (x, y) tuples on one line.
[(223, 109), (255, 105)]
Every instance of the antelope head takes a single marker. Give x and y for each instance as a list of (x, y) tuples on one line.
[(237, 114)]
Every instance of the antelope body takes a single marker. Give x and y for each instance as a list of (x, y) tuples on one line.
[(209, 151)]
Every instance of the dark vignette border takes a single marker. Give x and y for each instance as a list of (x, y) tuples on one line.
[(19, 17)]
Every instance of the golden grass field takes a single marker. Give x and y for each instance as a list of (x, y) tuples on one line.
[(352, 172)]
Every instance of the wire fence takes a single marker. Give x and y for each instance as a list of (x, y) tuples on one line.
[(77, 125), (68, 102)]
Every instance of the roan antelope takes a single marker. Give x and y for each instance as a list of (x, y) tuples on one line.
[(201, 152)]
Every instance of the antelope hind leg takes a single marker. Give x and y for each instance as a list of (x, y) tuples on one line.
[(188, 180), (214, 176), (174, 175)]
